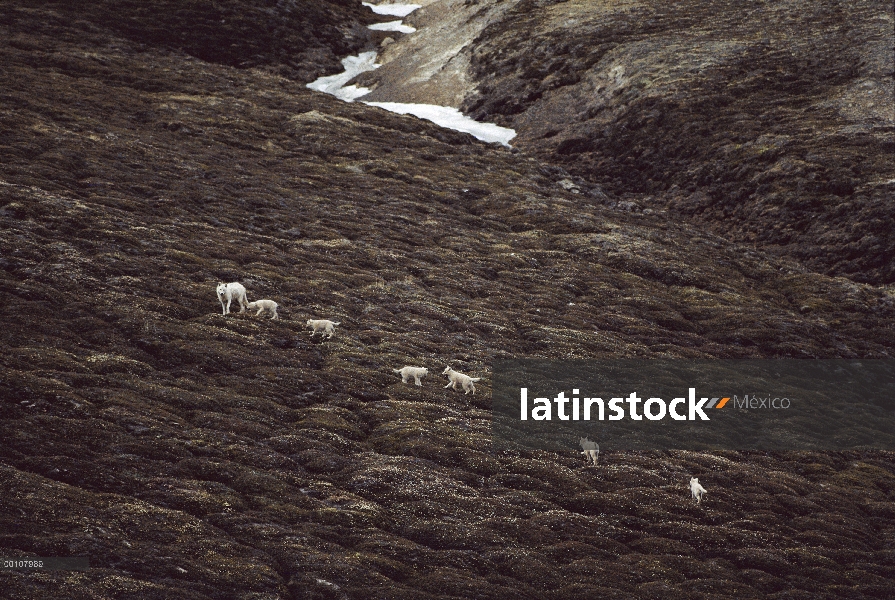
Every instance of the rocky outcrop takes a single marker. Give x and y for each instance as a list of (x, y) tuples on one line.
[(771, 122), (196, 456), (431, 66)]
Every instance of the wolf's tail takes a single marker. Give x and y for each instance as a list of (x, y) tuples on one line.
[(335, 323), (396, 370), (475, 378)]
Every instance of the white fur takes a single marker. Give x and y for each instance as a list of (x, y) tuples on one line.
[(325, 326), (456, 377), (590, 449), (229, 291), (696, 489), (263, 305), (416, 372)]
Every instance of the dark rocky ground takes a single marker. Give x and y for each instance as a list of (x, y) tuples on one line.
[(299, 39), (771, 122), (195, 456)]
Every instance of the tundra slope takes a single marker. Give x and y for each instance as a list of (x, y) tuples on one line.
[(771, 122), (192, 455), (299, 39)]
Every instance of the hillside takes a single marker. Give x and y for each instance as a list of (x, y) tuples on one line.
[(192, 455), (772, 122), (298, 39), (769, 122)]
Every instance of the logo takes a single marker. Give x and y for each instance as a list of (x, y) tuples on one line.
[(678, 404), (586, 409)]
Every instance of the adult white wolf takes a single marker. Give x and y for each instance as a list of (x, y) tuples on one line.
[(696, 489), (590, 449), (229, 291)]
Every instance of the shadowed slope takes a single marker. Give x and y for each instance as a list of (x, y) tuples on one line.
[(299, 39), (771, 121)]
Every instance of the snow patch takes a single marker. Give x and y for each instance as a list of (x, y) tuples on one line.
[(444, 116), (392, 10), (392, 26), (451, 118), (334, 85)]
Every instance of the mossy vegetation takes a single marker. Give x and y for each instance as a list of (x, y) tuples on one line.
[(766, 122), (193, 455)]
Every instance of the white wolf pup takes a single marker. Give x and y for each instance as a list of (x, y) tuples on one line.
[(696, 489), (324, 326), (456, 377), (416, 372), (229, 291), (263, 305), (590, 449)]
